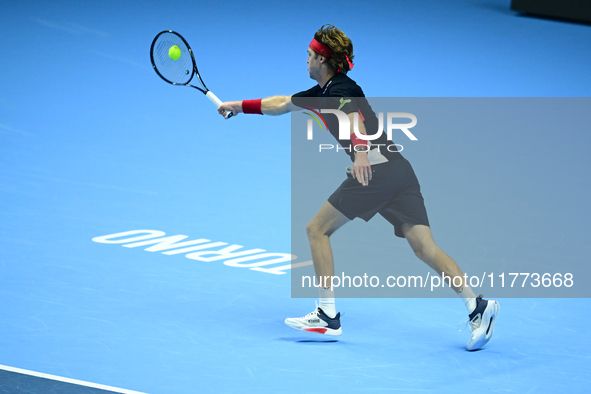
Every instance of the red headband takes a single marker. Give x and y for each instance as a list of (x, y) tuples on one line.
[(323, 50), (318, 47)]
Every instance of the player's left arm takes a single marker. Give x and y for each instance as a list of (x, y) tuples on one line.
[(361, 167)]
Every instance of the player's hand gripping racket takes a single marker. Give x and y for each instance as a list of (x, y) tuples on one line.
[(173, 60)]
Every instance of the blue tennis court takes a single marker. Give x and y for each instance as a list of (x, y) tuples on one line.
[(99, 158)]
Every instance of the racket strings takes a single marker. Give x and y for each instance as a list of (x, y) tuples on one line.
[(179, 71)]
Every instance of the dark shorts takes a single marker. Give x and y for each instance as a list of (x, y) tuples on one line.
[(393, 192)]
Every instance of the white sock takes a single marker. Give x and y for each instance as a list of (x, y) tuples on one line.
[(469, 298), (326, 301)]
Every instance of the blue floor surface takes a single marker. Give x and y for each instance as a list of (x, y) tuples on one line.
[(93, 143)]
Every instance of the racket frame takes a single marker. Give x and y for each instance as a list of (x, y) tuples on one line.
[(195, 72)]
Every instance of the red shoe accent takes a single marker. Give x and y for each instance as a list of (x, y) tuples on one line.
[(316, 330)]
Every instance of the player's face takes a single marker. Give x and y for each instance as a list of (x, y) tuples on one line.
[(313, 64)]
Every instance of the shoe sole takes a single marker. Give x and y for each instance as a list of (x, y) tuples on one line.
[(316, 330)]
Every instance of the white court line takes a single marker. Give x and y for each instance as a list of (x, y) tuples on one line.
[(68, 380)]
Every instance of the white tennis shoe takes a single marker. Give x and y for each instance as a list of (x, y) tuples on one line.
[(482, 322), (318, 322)]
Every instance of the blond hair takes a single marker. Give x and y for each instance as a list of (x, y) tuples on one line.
[(340, 47)]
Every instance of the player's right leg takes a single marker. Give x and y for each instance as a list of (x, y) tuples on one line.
[(482, 313), (482, 322)]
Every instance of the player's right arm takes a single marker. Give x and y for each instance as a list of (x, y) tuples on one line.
[(274, 105)]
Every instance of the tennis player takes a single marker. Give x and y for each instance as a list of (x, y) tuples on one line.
[(380, 181)]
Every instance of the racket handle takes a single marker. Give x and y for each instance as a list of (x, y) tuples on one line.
[(214, 99)]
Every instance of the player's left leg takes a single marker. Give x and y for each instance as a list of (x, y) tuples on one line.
[(325, 319), (482, 313), (319, 229)]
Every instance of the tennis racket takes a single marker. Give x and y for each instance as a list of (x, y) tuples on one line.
[(173, 60)]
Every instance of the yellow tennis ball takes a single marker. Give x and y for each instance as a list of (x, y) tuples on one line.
[(174, 52)]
